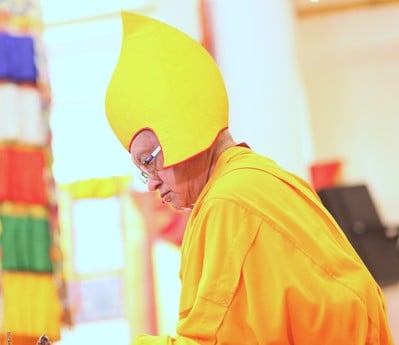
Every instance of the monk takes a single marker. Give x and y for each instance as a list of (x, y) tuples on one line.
[(262, 260)]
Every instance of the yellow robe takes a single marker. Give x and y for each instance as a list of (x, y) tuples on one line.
[(263, 262)]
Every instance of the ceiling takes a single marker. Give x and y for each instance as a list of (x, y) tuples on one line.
[(307, 7)]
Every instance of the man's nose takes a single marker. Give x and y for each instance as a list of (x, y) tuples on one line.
[(153, 183)]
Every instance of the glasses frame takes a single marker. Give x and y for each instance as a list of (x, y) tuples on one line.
[(146, 175)]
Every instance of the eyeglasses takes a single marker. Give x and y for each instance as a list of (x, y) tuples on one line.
[(147, 171)]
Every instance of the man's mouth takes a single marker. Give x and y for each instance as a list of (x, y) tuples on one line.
[(166, 197)]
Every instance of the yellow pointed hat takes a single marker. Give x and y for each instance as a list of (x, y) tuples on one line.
[(167, 82)]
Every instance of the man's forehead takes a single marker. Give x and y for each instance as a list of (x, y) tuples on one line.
[(145, 140)]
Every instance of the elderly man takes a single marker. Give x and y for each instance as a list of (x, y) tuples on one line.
[(263, 262)]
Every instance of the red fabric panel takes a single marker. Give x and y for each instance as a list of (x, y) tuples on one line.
[(160, 219), (325, 174), (22, 175)]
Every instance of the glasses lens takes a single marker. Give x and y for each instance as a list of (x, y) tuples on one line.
[(146, 169), (143, 177)]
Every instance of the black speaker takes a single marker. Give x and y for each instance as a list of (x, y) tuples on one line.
[(354, 210)]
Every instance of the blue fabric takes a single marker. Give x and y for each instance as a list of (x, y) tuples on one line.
[(17, 58), (4, 49)]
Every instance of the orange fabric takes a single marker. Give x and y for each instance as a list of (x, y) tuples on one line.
[(18, 339), (264, 263)]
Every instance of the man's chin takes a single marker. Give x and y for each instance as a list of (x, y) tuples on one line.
[(171, 204), (179, 207)]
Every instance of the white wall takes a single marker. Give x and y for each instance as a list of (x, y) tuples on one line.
[(351, 67), (256, 51)]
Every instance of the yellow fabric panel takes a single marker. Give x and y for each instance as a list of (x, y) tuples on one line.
[(23, 147), (24, 210), (31, 305), (25, 23), (270, 266), (136, 251), (97, 187), (65, 239)]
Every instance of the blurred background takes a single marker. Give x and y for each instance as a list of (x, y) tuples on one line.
[(312, 84)]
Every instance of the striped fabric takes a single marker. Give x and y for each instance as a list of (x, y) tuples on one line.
[(31, 262)]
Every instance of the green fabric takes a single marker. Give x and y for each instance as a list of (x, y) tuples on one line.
[(26, 244)]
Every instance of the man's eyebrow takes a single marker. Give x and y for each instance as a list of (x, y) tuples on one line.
[(141, 157), (144, 157), (138, 157)]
